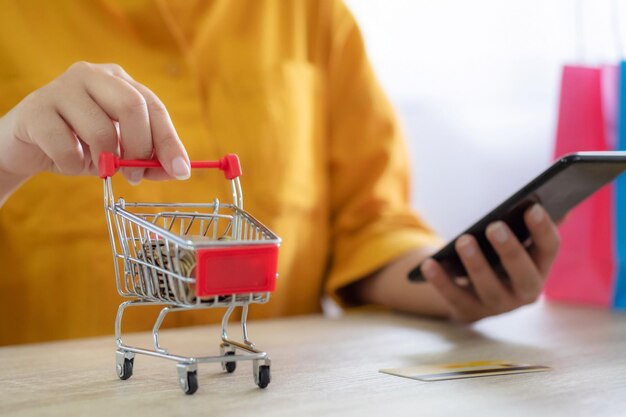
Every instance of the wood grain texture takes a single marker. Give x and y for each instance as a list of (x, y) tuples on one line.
[(326, 366)]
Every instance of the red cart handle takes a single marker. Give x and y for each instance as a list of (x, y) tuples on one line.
[(109, 163)]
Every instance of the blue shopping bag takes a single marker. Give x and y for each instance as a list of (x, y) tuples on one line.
[(619, 288)]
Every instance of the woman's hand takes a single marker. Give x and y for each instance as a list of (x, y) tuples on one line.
[(485, 294), (527, 269), (91, 108)]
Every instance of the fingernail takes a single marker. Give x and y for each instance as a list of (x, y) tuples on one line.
[(428, 268), (498, 231), (462, 281), (465, 246), (135, 176), (536, 213), (181, 170)]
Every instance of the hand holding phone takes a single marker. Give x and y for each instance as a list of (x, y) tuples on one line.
[(486, 294), (569, 181)]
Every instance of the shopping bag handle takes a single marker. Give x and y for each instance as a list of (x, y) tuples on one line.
[(109, 163)]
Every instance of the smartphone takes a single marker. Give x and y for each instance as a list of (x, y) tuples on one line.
[(562, 186)]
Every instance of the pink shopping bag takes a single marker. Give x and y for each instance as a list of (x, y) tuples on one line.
[(584, 269)]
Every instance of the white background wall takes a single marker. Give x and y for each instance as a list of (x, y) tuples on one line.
[(476, 85)]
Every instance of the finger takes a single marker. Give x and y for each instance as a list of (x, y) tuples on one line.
[(57, 140), (526, 281), (488, 286), (545, 237), (462, 304), (167, 145), (88, 121), (124, 104), (156, 174)]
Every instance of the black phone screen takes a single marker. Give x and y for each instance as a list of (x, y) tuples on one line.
[(561, 187)]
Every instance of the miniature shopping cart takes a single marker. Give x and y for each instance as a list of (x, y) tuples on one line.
[(190, 256)]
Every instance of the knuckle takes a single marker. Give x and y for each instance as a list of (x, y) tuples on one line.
[(546, 230), (477, 267), (159, 113), (511, 251), (153, 100), (104, 134), (138, 151), (549, 247), (133, 101), (116, 69), (542, 230), (157, 108), (80, 67), (74, 74), (64, 152), (167, 145)]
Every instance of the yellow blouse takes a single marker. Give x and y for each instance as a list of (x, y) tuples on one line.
[(284, 84)]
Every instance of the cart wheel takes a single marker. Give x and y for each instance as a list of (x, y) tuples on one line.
[(230, 366), (190, 383), (125, 371), (264, 376)]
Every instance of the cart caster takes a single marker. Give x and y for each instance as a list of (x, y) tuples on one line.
[(228, 350), (188, 378), (262, 375), (189, 384), (124, 364), (229, 366)]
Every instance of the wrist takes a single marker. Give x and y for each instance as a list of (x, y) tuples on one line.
[(390, 287), (9, 180)]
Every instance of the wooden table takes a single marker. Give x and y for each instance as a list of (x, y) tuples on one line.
[(324, 366)]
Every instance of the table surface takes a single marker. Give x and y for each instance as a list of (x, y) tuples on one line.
[(323, 366)]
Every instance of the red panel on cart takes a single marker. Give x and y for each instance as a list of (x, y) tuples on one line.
[(236, 270)]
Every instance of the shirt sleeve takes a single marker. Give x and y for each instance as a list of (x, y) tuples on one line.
[(371, 219)]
